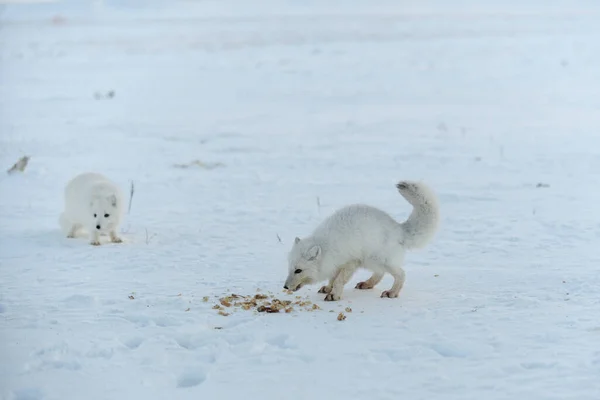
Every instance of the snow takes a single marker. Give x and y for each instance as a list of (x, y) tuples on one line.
[(308, 106)]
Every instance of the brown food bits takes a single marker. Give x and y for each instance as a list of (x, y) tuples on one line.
[(263, 303), (267, 309), (225, 303), (341, 316), (348, 310)]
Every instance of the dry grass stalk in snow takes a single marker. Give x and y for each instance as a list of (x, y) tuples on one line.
[(131, 190), (149, 237), (19, 165)]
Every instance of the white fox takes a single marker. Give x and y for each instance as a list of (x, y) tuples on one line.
[(363, 236), (93, 203)]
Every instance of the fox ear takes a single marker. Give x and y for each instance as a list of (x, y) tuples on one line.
[(314, 252), (297, 240), (113, 200)]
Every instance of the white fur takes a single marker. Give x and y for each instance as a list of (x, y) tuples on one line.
[(89, 197), (363, 236)]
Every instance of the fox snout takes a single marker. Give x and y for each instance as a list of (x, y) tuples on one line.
[(288, 285), (292, 284), (106, 226)]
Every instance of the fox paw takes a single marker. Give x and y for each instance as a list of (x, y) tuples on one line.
[(116, 239), (332, 297), (363, 286), (95, 243), (325, 289), (389, 293)]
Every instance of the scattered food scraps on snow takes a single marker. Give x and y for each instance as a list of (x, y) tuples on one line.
[(268, 303), (264, 303)]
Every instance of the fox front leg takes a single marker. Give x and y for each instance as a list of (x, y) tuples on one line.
[(327, 288), (345, 273), (95, 241), (114, 238)]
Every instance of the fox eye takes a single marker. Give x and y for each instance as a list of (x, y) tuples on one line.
[(94, 215), (106, 215), (297, 271)]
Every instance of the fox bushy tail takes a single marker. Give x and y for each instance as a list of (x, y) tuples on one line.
[(422, 224)]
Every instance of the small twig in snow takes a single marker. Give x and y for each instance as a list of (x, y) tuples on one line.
[(130, 197), (278, 238), (19, 165), (149, 237)]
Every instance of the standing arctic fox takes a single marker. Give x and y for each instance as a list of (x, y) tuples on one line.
[(361, 235), (94, 203)]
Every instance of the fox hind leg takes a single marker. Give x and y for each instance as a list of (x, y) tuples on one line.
[(394, 267), (73, 231)]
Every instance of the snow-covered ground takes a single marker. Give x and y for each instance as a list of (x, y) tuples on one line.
[(304, 106)]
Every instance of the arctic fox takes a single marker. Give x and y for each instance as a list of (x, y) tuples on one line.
[(94, 203), (363, 236)]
